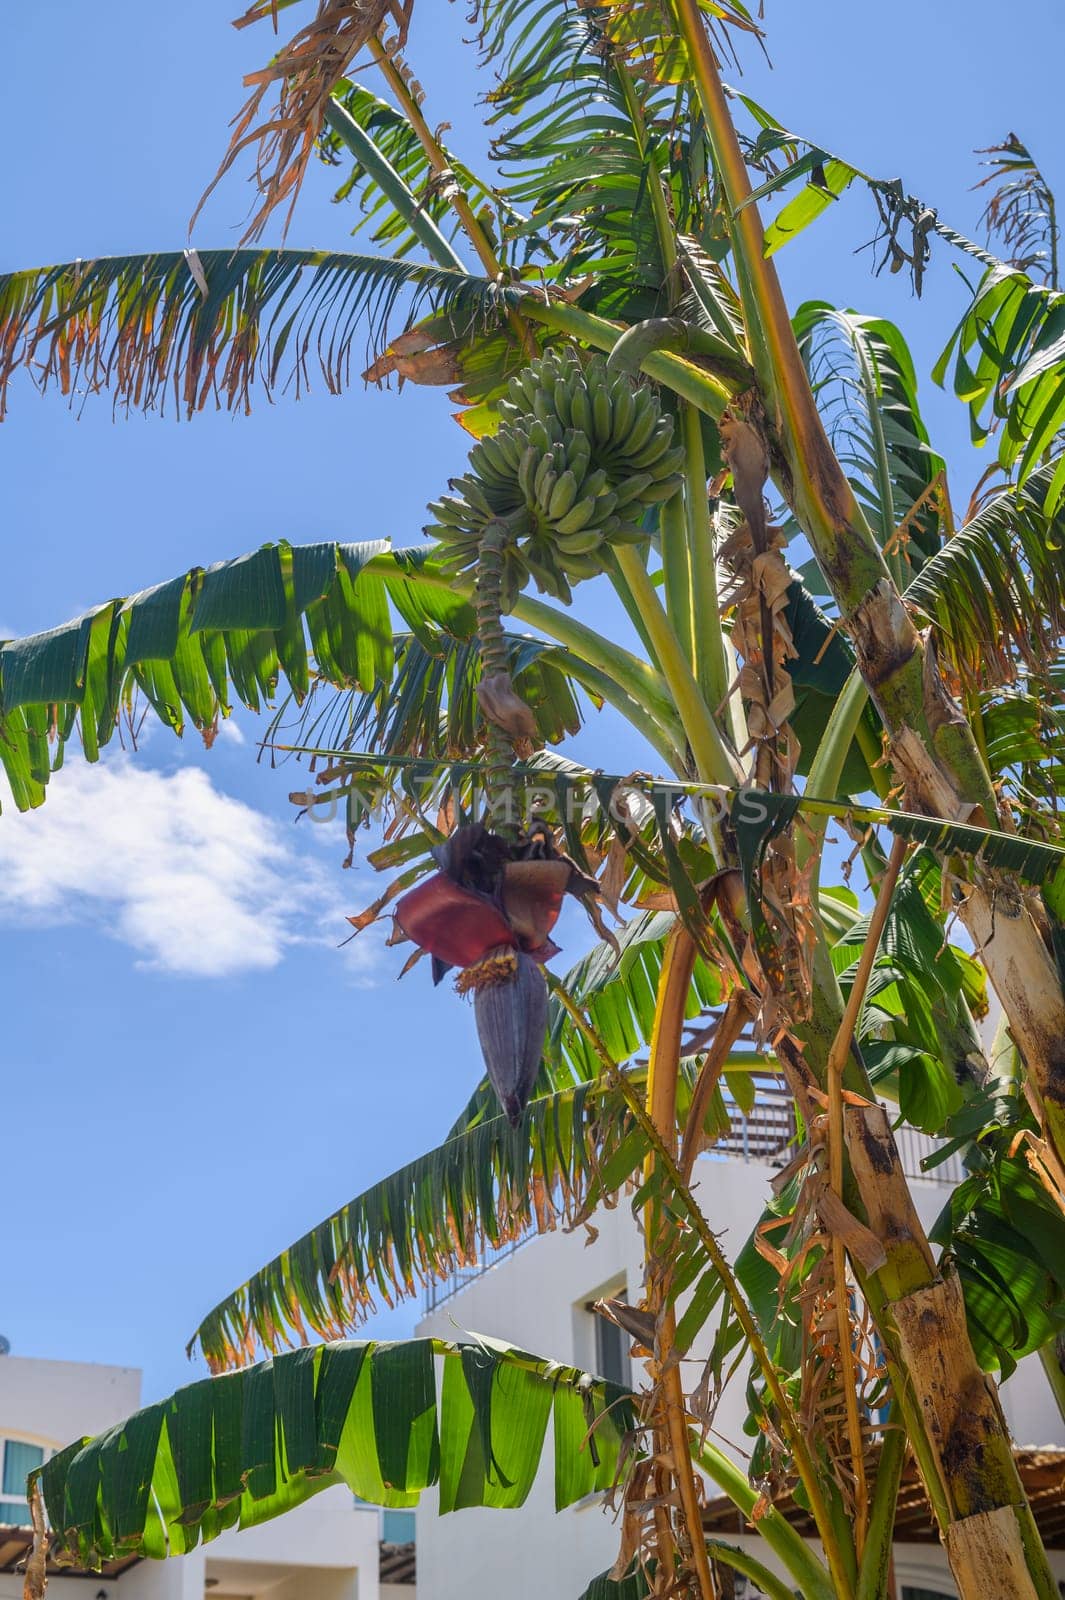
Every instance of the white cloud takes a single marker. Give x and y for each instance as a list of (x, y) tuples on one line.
[(230, 730), (196, 882)]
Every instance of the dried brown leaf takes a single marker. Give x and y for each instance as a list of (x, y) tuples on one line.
[(501, 705), (657, 900), (437, 365), (304, 74), (615, 875), (860, 1242)]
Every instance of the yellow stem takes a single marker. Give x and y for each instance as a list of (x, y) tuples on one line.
[(767, 309), (714, 762), (841, 1046), (789, 1422), (678, 966)]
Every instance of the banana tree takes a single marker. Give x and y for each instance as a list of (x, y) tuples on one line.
[(641, 411)]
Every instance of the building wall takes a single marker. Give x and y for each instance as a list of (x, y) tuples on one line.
[(149, 1580), (536, 1298), (327, 1531), (53, 1402)]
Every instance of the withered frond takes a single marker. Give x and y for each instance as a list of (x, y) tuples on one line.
[(1020, 209), (483, 1189), (304, 73), (995, 592), (208, 325)]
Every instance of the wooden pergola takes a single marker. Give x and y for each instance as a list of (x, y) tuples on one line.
[(1042, 1473)]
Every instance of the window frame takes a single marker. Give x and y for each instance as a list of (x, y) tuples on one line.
[(14, 1497)]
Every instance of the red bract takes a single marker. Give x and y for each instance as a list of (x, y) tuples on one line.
[(456, 925), (532, 900), (459, 926)]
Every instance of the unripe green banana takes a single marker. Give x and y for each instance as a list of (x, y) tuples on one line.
[(455, 556), (642, 428), (539, 437), (671, 462), (543, 500), (516, 447), (653, 450), (578, 451), (454, 512), (630, 489), (544, 408), (580, 544), (529, 389), (563, 496), (662, 490), (578, 517), (526, 471), (602, 415), (474, 492), (454, 538), (506, 450), (563, 591), (629, 533), (549, 580), (488, 467), (623, 407), (545, 473), (563, 401), (576, 567), (582, 410)]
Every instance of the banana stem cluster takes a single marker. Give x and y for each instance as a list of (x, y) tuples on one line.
[(580, 456)]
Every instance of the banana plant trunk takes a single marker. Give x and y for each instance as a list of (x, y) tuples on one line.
[(671, 1429), (950, 1407)]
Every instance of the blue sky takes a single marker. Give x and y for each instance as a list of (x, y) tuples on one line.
[(194, 1072)]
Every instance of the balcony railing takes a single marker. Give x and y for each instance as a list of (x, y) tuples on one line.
[(767, 1133), (442, 1289)]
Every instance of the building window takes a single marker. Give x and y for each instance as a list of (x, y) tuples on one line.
[(397, 1527), (17, 1461), (611, 1345)]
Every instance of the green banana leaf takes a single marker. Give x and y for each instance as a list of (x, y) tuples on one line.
[(241, 1448)]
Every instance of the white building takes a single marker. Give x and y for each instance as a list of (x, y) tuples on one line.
[(330, 1548), (540, 1296)]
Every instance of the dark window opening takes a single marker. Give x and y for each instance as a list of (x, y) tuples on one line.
[(611, 1347)]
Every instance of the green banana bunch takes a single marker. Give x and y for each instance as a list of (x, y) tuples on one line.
[(580, 455)]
